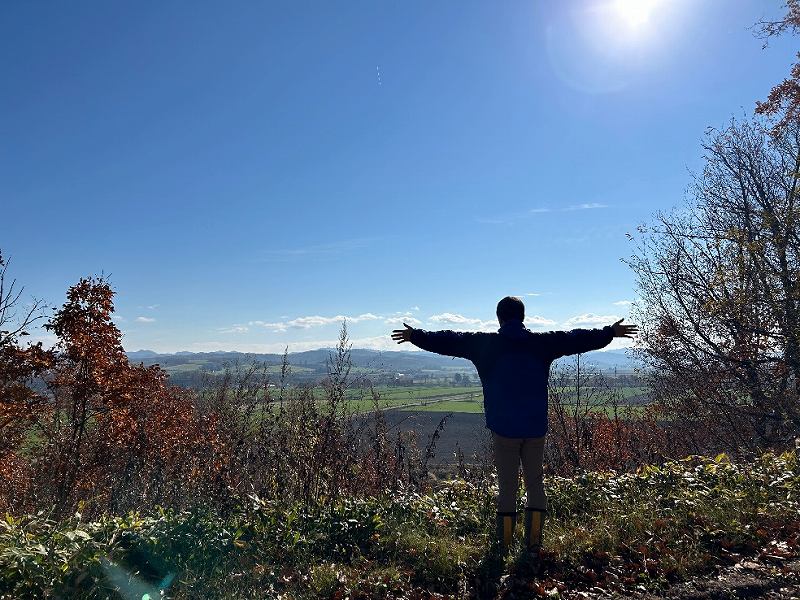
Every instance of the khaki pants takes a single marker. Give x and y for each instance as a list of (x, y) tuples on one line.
[(508, 453)]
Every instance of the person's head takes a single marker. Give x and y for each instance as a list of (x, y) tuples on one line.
[(510, 308)]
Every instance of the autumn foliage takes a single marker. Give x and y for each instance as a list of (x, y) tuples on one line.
[(80, 423), (783, 101), (83, 428)]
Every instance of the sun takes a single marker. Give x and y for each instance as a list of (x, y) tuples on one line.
[(634, 13)]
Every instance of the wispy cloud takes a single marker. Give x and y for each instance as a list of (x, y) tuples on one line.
[(118, 318), (512, 217), (318, 321), (313, 321), (48, 340), (380, 342), (463, 322), (453, 318), (518, 216), (619, 344), (145, 320), (475, 324), (326, 251), (537, 321), (234, 329), (623, 303), (590, 320), (277, 327), (585, 206), (402, 319)]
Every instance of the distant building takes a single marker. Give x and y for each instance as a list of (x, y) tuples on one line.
[(403, 379)]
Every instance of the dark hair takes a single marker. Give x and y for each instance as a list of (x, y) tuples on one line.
[(511, 308)]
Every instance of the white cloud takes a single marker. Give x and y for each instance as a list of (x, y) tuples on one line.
[(48, 340), (586, 206), (312, 321), (484, 325), (327, 251), (118, 318), (275, 327), (402, 319), (623, 303), (511, 218), (318, 321), (235, 329), (537, 321), (381, 342), (453, 318), (590, 320), (144, 320), (618, 344), (463, 322)]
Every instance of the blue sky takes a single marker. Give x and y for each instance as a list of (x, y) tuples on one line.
[(250, 174)]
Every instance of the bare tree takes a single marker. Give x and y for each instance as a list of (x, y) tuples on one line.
[(719, 287), (783, 102), (20, 405), (15, 320)]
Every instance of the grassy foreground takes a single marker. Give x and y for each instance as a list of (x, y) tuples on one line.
[(618, 532)]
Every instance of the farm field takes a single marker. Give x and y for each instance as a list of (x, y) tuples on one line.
[(470, 400), (462, 430), (467, 405), (396, 397), (473, 406)]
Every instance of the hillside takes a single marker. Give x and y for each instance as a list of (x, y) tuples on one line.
[(695, 528), (313, 363)]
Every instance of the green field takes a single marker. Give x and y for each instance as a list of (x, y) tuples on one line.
[(469, 399), (624, 392), (456, 406), (415, 392), (201, 365), (476, 406), (391, 397), (462, 399)]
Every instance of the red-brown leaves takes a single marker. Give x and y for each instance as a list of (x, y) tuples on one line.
[(97, 425), (783, 101)]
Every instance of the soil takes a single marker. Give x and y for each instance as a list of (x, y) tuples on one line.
[(466, 431), (746, 579), (749, 578)]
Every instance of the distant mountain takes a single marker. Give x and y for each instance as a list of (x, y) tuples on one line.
[(359, 357), (370, 360), (613, 359), (140, 354)]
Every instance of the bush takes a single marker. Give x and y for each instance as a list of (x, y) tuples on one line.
[(604, 529)]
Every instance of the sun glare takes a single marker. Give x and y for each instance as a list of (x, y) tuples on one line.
[(634, 13)]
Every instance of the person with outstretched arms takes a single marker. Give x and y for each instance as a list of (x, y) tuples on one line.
[(514, 365)]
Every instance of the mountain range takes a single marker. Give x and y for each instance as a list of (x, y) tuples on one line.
[(397, 361)]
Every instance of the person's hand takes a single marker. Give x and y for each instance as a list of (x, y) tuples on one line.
[(620, 330), (402, 335)]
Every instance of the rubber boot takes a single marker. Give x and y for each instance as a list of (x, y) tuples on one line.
[(506, 522), (534, 524)]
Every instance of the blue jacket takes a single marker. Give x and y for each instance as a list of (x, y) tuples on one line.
[(514, 366)]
